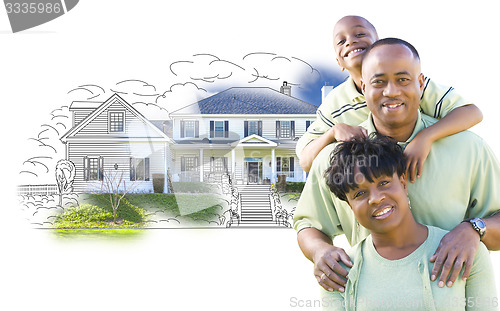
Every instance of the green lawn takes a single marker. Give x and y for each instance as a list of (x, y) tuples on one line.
[(138, 211)]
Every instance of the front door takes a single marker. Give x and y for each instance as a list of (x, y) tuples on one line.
[(253, 172)]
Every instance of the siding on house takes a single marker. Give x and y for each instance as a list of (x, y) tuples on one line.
[(120, 154)]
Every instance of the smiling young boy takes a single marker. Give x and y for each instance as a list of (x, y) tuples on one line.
[(345, 107)]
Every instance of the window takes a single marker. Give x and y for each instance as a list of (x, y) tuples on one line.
[(139, 169), (189, 164), (219, 129), (116, 121), (93, 168), (285, 165), (218, 164), (253, 127), (285, 129), (189, 128)]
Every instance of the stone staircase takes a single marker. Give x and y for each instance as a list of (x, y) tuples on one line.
[(255, 206)]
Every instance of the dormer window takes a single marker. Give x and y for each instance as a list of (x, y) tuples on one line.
[(116, 121)]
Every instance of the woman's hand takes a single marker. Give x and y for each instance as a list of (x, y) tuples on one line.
[(327, 269)]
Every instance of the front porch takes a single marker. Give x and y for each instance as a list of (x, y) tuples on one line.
[(252, 161)]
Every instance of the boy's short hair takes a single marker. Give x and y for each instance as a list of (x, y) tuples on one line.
[(374, 156)]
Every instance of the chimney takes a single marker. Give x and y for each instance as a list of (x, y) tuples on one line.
[(325, 90), (286, 89)]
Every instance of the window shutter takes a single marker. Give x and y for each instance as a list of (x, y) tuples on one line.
[(212, 129), (182, 129), (278, 130), (291, 164), (246, 128), (86, 169), (260, 128), (278, 164), (197, 129), (101, 168), (183, 164), (308, 123), (292, 129), (146, 169), (226, 129), (132, 169)]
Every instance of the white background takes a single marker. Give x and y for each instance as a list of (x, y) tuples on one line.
[(108, 41)]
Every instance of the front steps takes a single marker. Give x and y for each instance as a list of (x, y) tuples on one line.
[(255, 207)]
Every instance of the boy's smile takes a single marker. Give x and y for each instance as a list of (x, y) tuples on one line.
[(352, 35)]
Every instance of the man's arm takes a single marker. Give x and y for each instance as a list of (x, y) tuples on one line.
[(458, 248), (319, 249), (339, 132), (457, 120), (492, 237)]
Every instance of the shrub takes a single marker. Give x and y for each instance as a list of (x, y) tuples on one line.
[(83, 216), (158, 182), (294, 186)]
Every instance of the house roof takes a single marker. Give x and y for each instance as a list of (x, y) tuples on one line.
[(99, 108), (84, 105), (249, 100)]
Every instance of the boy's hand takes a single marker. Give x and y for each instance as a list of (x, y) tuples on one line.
[(327, 269), (344, 132), (416, 153)]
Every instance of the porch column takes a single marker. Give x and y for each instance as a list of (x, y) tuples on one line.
[(273, 166), (233, 163), (201, 165)]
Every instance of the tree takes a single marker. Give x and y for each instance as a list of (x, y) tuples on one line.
[(65, 175), (112, 184)]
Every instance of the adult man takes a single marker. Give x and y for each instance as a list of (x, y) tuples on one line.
[(461, 181)]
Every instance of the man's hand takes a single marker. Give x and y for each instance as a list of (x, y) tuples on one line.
[(456, 249), (416, 153), (327, 269), (344, 132)]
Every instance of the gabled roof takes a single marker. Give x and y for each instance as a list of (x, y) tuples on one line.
[(249, 100), (254, 140), (115, 98)]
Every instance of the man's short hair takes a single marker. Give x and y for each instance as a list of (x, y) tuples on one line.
[(374, 156), (392, 41)]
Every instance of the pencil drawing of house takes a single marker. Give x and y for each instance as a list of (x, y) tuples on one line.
[(114, 136)]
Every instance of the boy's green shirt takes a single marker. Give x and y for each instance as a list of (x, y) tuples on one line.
[(344, 104)]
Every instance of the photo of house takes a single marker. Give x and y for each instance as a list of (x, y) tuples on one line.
[(248, 132)]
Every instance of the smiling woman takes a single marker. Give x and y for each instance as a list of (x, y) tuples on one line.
[(391, 266)]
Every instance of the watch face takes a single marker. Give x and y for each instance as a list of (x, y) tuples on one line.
[(480, 224)]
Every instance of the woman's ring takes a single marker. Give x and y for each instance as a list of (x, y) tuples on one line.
[(322, 277)]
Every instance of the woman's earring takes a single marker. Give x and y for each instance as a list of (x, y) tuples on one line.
[(409, 203)]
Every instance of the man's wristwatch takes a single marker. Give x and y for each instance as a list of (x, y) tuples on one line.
[(478, 225)]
